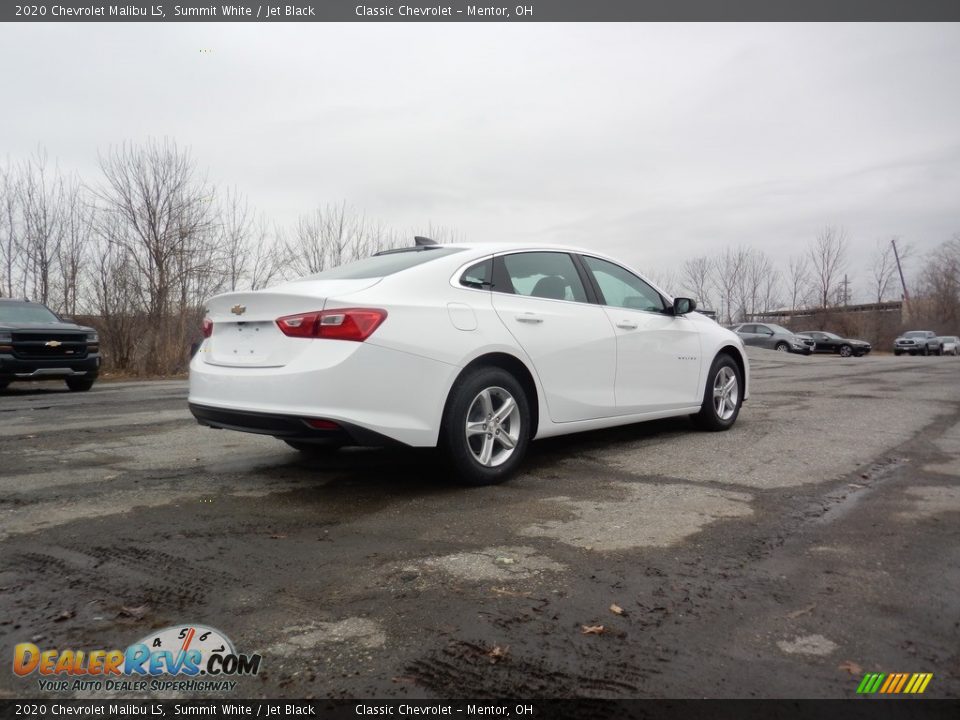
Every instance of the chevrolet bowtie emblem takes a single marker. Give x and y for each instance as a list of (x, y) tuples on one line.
[(238, 309), (53, 343)]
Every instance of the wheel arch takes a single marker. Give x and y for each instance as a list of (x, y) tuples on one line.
[(513, 365)]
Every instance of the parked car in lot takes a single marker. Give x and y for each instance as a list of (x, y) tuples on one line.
[(950, 345), (36, 344), (478, 349), (827, 342), (773, 337), (918, 342)]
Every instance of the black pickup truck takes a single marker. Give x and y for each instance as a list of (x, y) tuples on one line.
[(35, 344)]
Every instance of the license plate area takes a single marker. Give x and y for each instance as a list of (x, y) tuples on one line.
[(243, 343)]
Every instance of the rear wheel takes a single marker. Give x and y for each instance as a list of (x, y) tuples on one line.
[(846, 351), (486, 426), (79, 384), (723, 395), (782, 347)]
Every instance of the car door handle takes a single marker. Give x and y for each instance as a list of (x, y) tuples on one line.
[(627, 325), (529, 318)]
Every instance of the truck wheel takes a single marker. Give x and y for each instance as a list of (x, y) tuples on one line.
[(897, 353), (79, 384)]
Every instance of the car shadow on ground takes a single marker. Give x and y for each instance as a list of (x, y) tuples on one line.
[(415, 470)]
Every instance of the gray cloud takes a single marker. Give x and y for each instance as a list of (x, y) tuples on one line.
[(655, 142)]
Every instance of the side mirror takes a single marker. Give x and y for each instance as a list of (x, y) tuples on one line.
[(682, 306)]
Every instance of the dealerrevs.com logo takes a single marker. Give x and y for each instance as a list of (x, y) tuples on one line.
[(184, 658)]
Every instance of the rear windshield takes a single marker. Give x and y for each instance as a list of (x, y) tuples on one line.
[(383, 265), (14, 312)]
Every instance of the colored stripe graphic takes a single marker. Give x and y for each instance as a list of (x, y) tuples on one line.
[(894, 683)]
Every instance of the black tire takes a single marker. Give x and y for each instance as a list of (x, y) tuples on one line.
[(311, 448), (926, 350), (939, 351), (782, 347), (80, 384), (846, 351), (4, 384), (708, 418), (897, 353), (453, 433)]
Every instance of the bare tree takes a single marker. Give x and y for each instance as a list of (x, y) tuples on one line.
[(696, 280), (798, 281), (940, 284), (41, 196), (74, 245), (727, 269), (160, 210), (827, 259), (9, 244), (884, 277)]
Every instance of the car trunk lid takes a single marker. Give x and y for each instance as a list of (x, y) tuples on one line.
[(245, 331)]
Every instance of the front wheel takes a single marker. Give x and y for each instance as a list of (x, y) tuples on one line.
[(79, 384), (846, 351), (722, 397), (486, 426), (782, 347)]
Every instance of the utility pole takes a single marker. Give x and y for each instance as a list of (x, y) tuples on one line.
[(903, 283)]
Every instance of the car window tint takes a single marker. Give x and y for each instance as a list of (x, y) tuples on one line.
[(621, 288), (479, 275), (22, 312), (747, 329), (549, 275), (387, 263)]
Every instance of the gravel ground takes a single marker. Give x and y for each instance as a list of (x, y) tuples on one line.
[(817, 540)]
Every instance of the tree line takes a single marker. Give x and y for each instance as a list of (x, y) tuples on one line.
[(137, 251), (742, 282)]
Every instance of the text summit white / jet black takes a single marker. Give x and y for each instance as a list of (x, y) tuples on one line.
[(477, 349)]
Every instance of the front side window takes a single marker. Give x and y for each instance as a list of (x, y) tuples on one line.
[(621, 288), (548, 275)]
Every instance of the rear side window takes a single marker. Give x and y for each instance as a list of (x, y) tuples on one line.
[(383, 265), (548, 275), (478, 276)]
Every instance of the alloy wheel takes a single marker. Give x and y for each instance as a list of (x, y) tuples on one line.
[(726, 393), (493, 426)]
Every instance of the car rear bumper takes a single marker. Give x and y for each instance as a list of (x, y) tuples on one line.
[(374, 394)]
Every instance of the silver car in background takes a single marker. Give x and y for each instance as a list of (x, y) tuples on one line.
[(949, 345), (773, 337)]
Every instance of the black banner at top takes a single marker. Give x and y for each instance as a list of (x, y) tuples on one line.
[(481, 11)]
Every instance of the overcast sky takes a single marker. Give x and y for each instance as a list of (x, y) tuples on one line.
[(655, 143)]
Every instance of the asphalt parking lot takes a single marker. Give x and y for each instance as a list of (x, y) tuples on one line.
[(817, 540)]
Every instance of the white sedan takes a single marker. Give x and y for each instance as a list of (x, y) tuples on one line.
[(477, 349)]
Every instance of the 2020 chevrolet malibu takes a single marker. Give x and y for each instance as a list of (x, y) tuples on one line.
[(477, 349)]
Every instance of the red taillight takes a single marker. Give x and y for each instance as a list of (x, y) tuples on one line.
[(207, 327), (323, 424), (342, 324)]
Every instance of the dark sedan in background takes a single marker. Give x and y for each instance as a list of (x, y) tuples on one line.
[(827, 342), (773, 337)]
